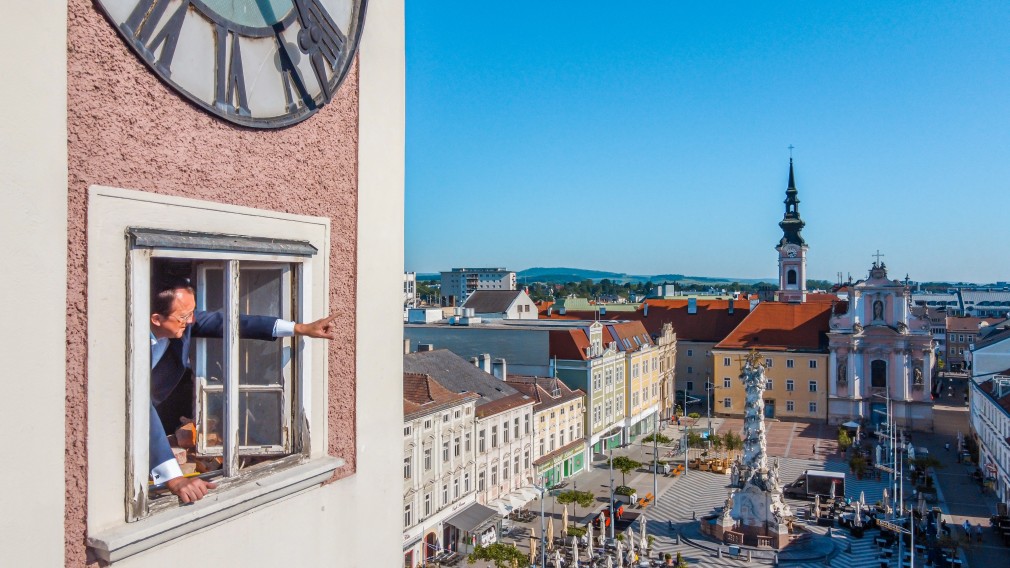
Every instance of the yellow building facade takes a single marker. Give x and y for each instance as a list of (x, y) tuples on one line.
[(796, 389)]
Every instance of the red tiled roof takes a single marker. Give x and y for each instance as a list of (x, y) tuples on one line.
[(712, 322), (626, 330), (422, 394), (776, 326), (540, 389), (502, 404), (569, 344), (968, 324)]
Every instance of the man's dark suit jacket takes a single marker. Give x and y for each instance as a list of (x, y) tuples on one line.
[(165, 376)]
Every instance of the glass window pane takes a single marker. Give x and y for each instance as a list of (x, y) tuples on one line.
[(259, 419), (213, 421), (262, 293)]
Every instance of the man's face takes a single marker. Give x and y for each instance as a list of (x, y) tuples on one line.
[(173, 326)]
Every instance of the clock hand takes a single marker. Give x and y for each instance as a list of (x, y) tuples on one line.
[(289, 70)]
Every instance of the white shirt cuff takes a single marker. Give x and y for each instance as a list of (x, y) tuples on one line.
[(284, 328), (169, 469)]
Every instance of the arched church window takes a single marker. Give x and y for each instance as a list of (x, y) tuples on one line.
[(791, 277), (878, 373)]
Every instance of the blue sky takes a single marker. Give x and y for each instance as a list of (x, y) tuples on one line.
[(652, 137)]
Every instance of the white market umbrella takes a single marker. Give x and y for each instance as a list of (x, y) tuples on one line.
[(817, 506), (557, 558), (862, 498), (886, 501), (644, 520), (643, 543), (550, 532), (878, 453), (857, 517), (620, 554), (631, 543), (589, 538), (564, 521), (610, 562), (831, 493), (533, 550), (575, 550), (922, 503)]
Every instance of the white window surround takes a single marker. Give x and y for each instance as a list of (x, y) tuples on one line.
[(111, 212)]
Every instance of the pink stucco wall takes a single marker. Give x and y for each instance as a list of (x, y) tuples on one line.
[(127, 129)]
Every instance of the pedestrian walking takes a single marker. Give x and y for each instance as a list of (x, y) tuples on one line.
[(978, 532), (813, 449), (967, 528)]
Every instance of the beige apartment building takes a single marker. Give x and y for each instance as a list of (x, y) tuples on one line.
[(559, 412)]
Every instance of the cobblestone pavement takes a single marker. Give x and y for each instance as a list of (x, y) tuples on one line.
[(800, 446)]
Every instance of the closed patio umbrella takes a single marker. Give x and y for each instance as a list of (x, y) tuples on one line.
[(550, 533), (557, 558), (631, 544), (610, 562), (575, 550), (620, 554), (589, 539), (533, 550), (831, 492), (564, 521), (862, 498)]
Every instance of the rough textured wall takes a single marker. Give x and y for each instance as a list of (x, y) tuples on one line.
[(127, 129)]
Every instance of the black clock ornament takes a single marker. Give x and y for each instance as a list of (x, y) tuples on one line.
[(257, 63)]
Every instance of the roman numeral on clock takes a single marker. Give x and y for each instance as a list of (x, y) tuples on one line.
[(322, 40), (140, 26), (229, 78)]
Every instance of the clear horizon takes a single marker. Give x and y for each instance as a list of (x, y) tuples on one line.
[(653, 139)]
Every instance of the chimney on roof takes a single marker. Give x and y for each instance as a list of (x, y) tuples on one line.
[(406, 347), (550, 311), (692, 305), (603, 310), (499, 369), (731, 306), (645, 310), (422, 347), (561, 311), (484, 362)]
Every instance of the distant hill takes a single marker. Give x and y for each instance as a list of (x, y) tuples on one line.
[(563, 275)]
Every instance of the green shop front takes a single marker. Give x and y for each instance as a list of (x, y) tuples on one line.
[(561, 463)]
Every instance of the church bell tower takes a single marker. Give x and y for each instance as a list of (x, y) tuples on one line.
[(792, 249)]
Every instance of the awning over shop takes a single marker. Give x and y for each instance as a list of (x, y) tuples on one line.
[(514, 500), (474, 518)]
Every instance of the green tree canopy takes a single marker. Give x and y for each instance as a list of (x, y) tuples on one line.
[(625, 465), (582, 498), (503, 555)]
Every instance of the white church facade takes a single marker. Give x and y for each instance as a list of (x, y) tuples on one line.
[(880, 355)]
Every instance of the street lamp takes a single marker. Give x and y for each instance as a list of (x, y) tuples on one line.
[(543, 525), (610, 453), (708, 400)]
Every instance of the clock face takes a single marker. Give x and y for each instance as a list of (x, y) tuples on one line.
[(258, 63), (792, 253)]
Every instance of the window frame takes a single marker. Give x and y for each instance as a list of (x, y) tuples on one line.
[(121, 520)]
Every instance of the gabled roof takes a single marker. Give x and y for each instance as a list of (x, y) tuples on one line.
[(459, 376), (776, 326), (492, 301), (712, 321), (968, 324), (542, 389), (989, 388), (423, 395), (570, 344), (627, 335)]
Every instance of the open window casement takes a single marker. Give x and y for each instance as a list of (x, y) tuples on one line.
[(249, 396), (259, 406), (264, 370)]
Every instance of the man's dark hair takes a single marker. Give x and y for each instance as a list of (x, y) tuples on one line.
[(163, 295)]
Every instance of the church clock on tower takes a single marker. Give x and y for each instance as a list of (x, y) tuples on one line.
[(792, 248)]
